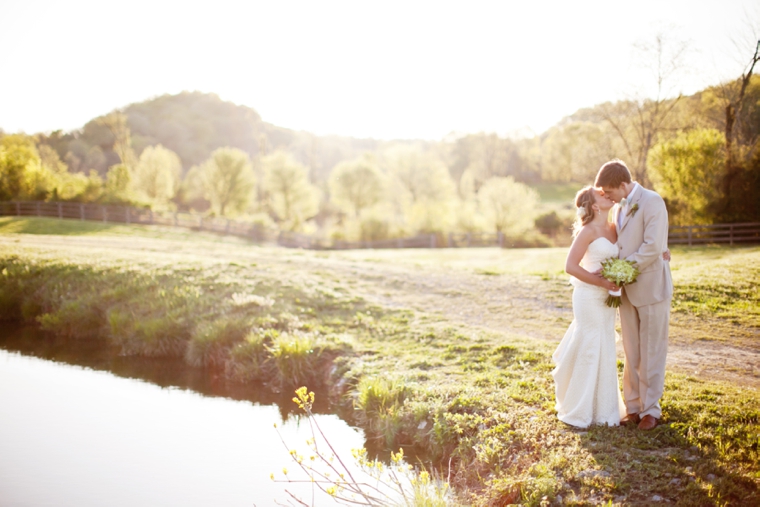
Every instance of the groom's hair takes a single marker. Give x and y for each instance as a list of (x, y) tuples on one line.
[(613, 174)]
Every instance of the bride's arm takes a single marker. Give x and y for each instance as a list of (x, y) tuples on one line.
[(573, 262)]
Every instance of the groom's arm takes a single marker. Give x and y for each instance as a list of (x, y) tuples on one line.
[(655, 233)]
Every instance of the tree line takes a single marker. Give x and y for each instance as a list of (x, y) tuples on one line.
[(192, 151)]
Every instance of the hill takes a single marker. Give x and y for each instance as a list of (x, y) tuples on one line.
[(193, 124)]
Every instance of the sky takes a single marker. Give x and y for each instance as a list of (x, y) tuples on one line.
[(388, 70)]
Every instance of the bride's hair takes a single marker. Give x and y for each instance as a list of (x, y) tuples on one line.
[(584, 199)]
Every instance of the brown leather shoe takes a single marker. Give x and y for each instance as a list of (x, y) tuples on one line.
[(630, 418), (648, 422)]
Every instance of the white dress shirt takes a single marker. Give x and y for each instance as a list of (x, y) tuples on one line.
[(624, 209)]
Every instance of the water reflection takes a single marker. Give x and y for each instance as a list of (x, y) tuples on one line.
[(164, 372), (78, 434)]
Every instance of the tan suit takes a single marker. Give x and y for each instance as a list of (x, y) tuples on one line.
[(645, 308)]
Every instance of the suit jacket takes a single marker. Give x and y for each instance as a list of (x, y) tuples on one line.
[(642, 238)]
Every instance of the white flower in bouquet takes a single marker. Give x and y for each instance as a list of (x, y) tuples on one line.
[(620, 271)]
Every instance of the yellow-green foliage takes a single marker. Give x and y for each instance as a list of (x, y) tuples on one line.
[(688, 171), (295, 357), (226, 180), (292, 198), (22, 175)]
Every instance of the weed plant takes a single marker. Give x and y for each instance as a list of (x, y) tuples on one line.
[(369, 482)]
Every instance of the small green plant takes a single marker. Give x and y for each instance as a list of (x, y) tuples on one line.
[(295, 357), (372, 483)]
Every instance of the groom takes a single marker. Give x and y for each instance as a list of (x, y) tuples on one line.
[(642, 225)]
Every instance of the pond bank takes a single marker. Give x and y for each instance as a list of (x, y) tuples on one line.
[(480, 398)]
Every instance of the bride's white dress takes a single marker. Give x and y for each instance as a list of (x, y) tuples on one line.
[(585, 376)]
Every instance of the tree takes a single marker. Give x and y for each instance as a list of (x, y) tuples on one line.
[(118, 187), (735, 114), (575, 151), (639, 121), (78, 187), (508, 205), (286, 182), (226, 180), (357, 184), (22, 175), (156, 175), (50, 159), (417, 175), (688, 171), (116, 123)]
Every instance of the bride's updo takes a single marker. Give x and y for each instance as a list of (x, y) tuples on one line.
[(584, 199)]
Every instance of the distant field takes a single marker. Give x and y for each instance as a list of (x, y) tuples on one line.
[(67, 227), (557, 193)]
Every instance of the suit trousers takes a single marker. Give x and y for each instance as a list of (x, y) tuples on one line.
[(645, 341)]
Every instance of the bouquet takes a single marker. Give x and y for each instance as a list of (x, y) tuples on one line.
[(620, 271)]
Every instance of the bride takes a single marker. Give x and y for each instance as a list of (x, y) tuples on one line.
[(585, 376)]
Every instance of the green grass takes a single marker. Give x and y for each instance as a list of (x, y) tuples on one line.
[(718, 282), (557, 193), (47, 226), (476, 399)]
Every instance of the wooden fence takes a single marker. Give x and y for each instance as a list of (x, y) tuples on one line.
[(109, 213), (717, 233)]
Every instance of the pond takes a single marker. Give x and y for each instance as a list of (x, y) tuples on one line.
[(81, 426)]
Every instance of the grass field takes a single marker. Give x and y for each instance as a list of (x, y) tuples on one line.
[(557, 193), (444, 352)]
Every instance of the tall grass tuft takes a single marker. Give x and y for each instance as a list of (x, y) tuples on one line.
[(295, 358), (211, 342), (148, 335), (250, 359), (378, 404)]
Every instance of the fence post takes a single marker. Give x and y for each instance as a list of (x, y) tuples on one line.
[(105, 215), (81, 212), (176, 219), (126, 213), (449, 241), (731, 235), (469, 235), (151, 216), (689, 235), (38, 209), (500, 237), (18, 209), (432, 240), (227, 228), (60, 211)]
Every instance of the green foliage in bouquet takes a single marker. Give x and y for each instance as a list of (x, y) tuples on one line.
[(620, 271)]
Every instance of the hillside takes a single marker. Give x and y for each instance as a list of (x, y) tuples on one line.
[(193, 124)]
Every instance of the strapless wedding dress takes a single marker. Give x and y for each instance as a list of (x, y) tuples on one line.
[(585, 376)]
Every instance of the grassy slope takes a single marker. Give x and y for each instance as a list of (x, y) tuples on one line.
[(484, 398)]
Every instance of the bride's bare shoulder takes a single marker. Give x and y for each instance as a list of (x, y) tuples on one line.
[(585, 235)]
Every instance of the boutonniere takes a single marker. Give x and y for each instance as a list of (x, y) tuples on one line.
[(633, 210)]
